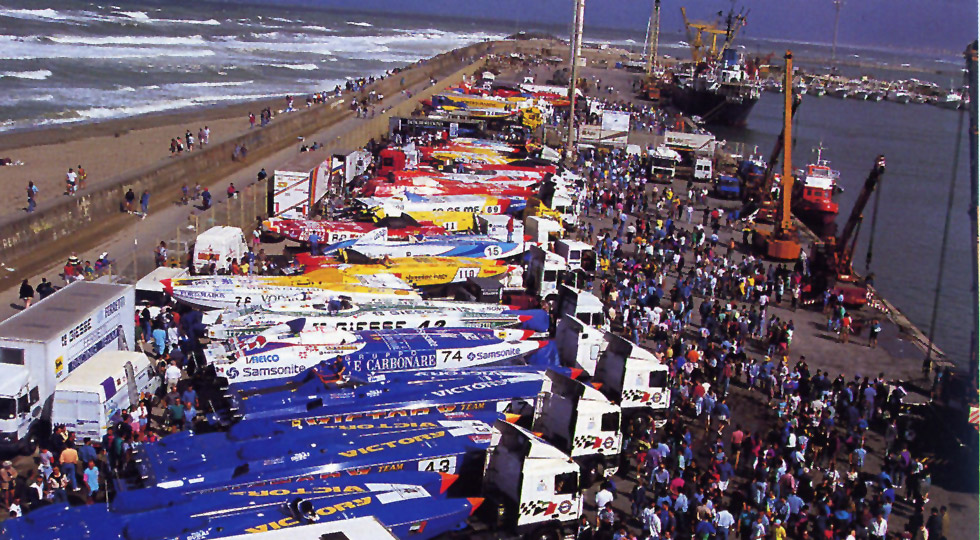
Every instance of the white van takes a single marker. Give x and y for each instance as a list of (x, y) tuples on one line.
[(702, 169), (219, 245), (96, 394)]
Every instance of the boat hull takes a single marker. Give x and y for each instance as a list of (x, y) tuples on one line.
[(712, 107)]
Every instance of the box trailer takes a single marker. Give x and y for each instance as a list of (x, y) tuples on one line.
[(42, 345)]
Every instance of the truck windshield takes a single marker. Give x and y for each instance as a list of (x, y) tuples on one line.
[(8, 409)]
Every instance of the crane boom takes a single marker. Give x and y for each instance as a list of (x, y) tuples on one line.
[(777, 150), (844, 251), (692, 41)]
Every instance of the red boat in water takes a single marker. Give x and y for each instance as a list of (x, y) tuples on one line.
[(813, 197)]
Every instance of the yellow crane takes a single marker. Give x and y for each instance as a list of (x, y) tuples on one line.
[(695, 31)]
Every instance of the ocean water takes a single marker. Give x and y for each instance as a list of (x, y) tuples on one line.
[(918, 143), (68, 61)]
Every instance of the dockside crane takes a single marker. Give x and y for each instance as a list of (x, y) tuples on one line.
[(781, 242)]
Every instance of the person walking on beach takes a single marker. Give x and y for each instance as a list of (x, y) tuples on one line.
[(251, 120), (206, 197), (189, 137), (70, 179), (26, 293), (82, 176), (31, 194), (207, 136), (173, 147), (873, 334), (145, 203)]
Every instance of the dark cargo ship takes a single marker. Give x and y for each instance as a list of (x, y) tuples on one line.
[(720, 94)]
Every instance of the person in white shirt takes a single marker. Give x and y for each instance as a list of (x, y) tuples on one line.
[(724, 521), (172, 376), (603, 497), (879, 528), (651, 521)]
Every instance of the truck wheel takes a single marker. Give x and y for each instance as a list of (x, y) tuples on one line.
[(544, 533), (29, 445), (592, 474)]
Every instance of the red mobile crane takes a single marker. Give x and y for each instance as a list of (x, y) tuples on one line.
[(833, 261)]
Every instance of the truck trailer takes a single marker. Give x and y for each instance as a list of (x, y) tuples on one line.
[(42, 345)]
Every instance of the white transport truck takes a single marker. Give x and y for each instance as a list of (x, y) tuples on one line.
[(219, 246), (42, 345), (581, 305), (580, 421), (630, 375), (571, 262), (532, 490), (95, 395)]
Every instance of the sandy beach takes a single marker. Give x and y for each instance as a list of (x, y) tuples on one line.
[(107, 149)]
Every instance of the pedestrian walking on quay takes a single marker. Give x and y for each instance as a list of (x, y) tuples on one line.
[(130, 199), (26, 293)]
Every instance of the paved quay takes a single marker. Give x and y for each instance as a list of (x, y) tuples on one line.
[(941, 437)]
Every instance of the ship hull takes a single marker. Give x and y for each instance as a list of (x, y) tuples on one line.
[(822, 222), (712, 107)]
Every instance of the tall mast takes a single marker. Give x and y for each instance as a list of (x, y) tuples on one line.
[(576, 53), (653, 30), (971, 72), (833, 51)]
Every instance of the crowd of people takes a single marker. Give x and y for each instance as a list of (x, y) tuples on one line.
[(804, 469), (186, 143)]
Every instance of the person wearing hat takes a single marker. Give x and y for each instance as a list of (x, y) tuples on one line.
[(8, 479)]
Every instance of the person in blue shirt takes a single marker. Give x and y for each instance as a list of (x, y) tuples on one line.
[(795, 503), (189, 396), (704, 530), (87, 452), (159, 341)]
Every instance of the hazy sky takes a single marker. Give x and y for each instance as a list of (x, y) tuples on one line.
[(934, 24)]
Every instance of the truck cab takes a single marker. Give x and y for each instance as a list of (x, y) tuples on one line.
[(541, 230), (631, 376), (581, 305), (219, 245), (578, 255), (663, 164), (727, 187), (530, 487), (558, 198), (572, 263), (580, 421)]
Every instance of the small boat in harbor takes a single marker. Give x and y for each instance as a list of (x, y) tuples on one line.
[(813, 197), (898, 95)]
